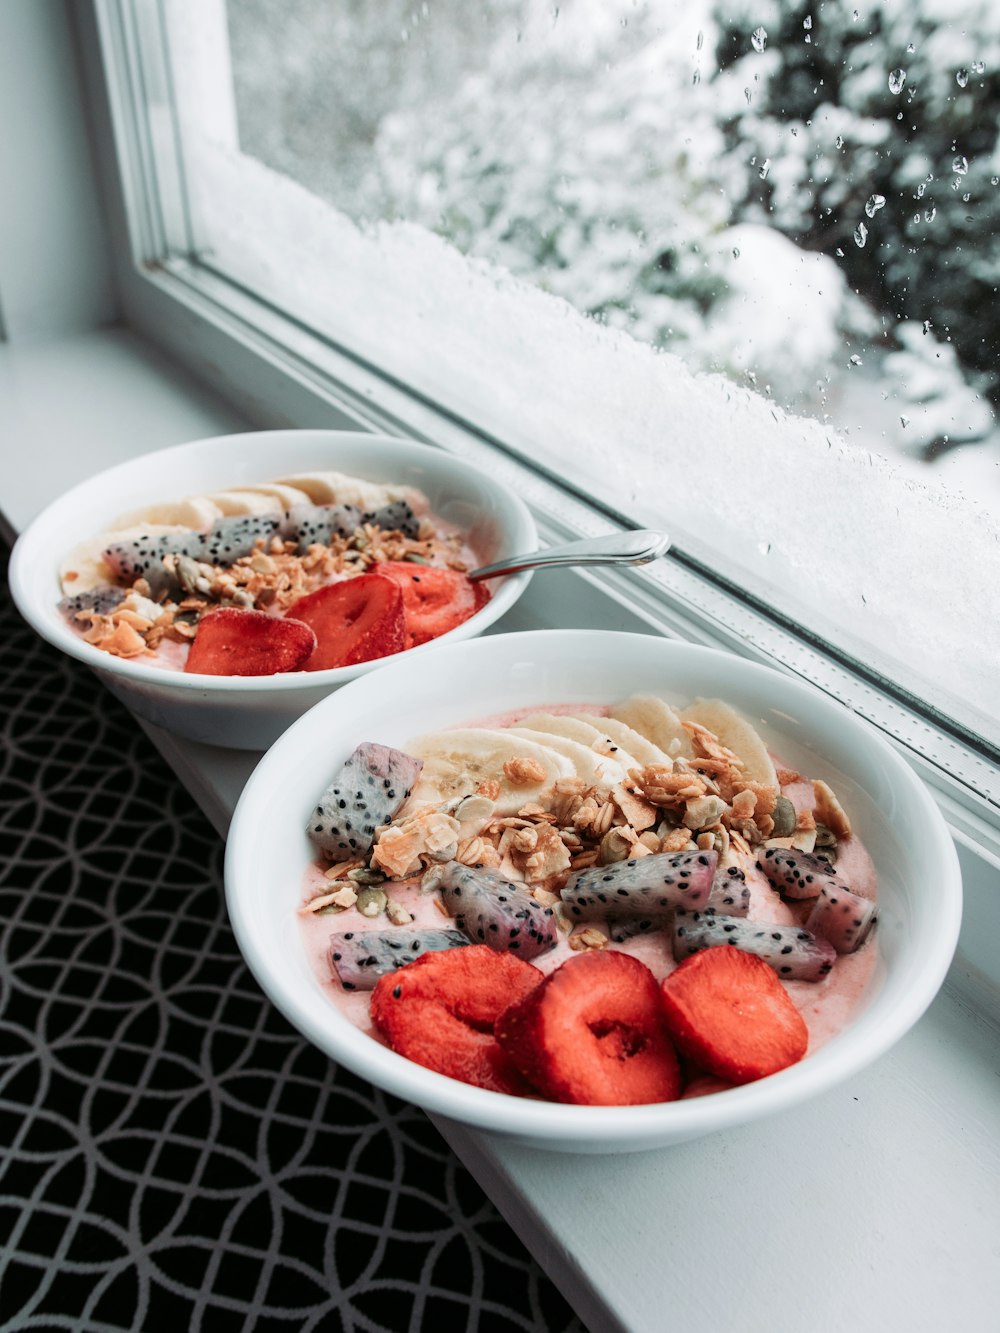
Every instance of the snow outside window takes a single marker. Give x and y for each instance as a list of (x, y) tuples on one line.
[(730, 268)]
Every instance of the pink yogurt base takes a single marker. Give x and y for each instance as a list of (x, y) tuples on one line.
[(826, 1006)]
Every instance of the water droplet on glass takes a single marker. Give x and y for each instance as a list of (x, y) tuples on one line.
[(927, 326), (764, 548), (904, 422), (920, 191), (910, 48), (748, 95), (736, 253), (962, 78), (765, 169), (807, 22), (978, 67), (752, 376), (873, 205), (960, 166), (840, 252), (696, 76), (930, 214), (700, 42), (808, 38), (855, 16), (840, 141), (758, 39), (860, 235), (856, 360), (897, 78)]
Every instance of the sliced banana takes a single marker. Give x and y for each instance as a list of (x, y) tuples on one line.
[(457, 762), (653, 718), (595, 769), (584, 733), (338, 488), (236, 502), (286, 496), (629, 740), (197, 513), (84, 568), (736, 734)]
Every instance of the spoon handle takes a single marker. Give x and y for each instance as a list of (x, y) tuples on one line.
[(613, 548)]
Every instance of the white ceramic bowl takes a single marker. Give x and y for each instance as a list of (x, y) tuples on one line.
[(245, 712), (919, 881)]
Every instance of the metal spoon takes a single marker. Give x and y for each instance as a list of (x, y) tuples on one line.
[(613, 548)]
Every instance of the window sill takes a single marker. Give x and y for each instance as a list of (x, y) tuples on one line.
[(910, 1136)]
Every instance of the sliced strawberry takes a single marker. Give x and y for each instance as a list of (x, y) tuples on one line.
[(354, 621), (728, 1013), (434, 600), (231, 642), (593, 1033), (440, 1009)]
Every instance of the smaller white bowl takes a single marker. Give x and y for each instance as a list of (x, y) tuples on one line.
[(892, 813), (249, 712)]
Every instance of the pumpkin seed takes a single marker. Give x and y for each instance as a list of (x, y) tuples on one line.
[(784, 818), (371, 902)]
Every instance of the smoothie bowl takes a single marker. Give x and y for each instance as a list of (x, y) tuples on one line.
[(222, 588), (594, 892)]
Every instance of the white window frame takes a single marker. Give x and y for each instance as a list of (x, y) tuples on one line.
[(279, 373)]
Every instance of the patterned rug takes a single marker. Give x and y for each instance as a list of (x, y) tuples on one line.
[(174, 1155)]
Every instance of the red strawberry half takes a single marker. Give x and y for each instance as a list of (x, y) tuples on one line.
[(230, 642), (728, 1013), (354, 621), (593, 1033), (440, 1009), (434, 600)]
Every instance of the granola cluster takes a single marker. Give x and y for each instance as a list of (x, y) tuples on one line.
[(271, 578)]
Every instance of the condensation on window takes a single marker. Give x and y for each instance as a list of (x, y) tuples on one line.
[(729, 266)]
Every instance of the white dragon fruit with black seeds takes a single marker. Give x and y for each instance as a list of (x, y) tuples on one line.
[(622, 928), (360, 957), (142, 557), (232, 538), (842, 917), (797, 874), (396, 517), (365, 794), (794, 953), (100, 600), (308, 525), (730, 892), (494, 911), (648, 886)]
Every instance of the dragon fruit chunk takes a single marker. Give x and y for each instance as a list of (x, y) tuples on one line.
[(648, 886), (232, 538), (730, 892), (794, 953), (396, 517), (100, 600), (797, 874), (624, 928), (307, 525), (365, 793), (494, 911), (142, 557), (842, 917), (360, 957)]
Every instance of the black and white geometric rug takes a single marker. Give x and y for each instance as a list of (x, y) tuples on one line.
[(172, 1154)]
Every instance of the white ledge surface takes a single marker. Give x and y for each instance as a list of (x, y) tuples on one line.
[(875, 1207)]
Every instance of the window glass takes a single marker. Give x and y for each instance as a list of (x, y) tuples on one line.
[(730, 267)]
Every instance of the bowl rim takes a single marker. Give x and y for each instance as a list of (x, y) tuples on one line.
[(29, 549), (541, 1121)]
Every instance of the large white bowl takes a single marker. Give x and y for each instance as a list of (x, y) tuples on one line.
[(919, 881), (249, 712)]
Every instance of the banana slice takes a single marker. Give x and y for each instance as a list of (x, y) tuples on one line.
[(598, 770), (83, 568), (248, 501), (456, 762), (737, 734), (337, 488), (629, 740), (197, 513), (653, 718), (286, 496), (584, 733)]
